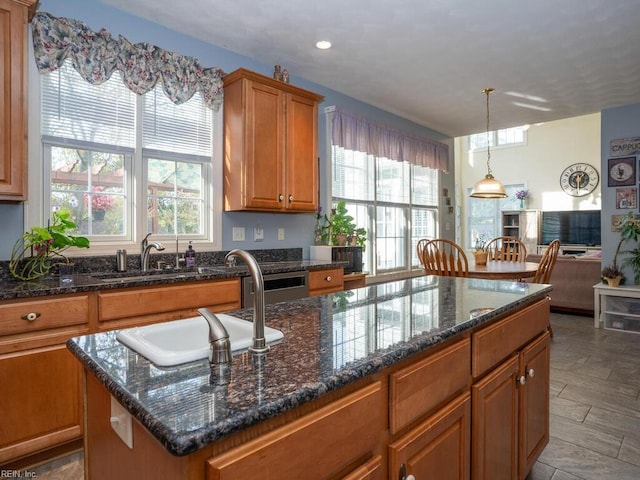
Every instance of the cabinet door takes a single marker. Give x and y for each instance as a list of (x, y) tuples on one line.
[(301, 157), (495, 424), (264, 158), (438, 447), (13, 116), (534, 402), (40, 406)]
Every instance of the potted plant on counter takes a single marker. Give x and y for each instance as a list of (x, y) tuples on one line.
[(612, 274), (32, 255)]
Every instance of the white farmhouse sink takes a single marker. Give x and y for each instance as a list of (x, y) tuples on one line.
[(180, 341)]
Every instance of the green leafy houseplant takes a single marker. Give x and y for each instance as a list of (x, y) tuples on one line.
[(630, 230), (32, 254)]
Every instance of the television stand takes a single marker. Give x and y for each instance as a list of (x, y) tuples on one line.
[(572, 249)]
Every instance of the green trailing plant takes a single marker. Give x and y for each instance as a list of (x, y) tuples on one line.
[(32, 255), (341, 222)]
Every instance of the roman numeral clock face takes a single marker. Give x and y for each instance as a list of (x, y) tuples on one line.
[(579, 179)]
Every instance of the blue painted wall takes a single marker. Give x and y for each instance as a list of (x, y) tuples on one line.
[(617, 123), (298, 227)]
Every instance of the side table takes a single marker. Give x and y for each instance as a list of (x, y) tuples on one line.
[(617, 308)]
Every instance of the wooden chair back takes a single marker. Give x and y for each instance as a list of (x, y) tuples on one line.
[(443, 257), (506, 249), (548, 261)]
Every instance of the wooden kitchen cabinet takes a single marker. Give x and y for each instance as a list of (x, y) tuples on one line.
[(337, 434), (270, 145), (439, 447), (139, 306), (511, 403), (13, 107), (41, 405), (323, 282)]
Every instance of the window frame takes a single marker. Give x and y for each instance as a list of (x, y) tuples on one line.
[(494, 139), (37, 207)]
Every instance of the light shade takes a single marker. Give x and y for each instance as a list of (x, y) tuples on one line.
[(488, 187)]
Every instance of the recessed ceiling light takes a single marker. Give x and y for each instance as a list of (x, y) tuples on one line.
[(323, 45)]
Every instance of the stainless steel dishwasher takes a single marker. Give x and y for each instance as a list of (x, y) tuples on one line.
[(278, 287)]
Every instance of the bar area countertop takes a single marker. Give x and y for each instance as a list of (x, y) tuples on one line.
[(329, 342)]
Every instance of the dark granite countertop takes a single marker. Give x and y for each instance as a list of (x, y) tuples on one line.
[(107, 280), (329, 342)]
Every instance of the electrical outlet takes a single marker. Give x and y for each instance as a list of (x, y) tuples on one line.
[(238, 234), (258, 233), (281, 234)]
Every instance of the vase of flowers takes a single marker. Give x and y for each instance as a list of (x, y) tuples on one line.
[(522, 195), (32, 255), (480, 251)]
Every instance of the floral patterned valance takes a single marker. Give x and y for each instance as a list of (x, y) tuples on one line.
[(357, 133), (96, 55)]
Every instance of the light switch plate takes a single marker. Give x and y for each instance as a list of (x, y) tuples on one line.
[(281, 234), (121, 422), (258, 233), (237, 234)]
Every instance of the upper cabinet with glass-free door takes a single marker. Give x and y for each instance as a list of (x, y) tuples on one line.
[(13, 107), (270, 145)]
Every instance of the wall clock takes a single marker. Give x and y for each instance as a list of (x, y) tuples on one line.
[(579, 179)]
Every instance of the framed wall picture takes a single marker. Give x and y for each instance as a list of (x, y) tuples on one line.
[(622, 172), (627, 198)]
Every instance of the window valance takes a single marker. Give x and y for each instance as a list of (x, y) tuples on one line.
[(354, 132), (96, 55)]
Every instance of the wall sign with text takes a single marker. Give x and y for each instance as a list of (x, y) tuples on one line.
[(625, 146)]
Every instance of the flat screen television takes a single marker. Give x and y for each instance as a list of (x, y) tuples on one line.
[(571, 228)]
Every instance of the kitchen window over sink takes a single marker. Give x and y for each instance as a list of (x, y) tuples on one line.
[(107, 152)]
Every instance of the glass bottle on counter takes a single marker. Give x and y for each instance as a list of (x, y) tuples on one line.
[(190, 257)]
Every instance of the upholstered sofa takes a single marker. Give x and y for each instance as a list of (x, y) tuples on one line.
[(573, 278)]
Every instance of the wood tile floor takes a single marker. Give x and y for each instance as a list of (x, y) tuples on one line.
[(595, 408)]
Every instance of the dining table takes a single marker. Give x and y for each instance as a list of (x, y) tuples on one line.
[(503, 270)]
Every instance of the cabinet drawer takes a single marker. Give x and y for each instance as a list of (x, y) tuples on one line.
[(423, 386), (371, 470), (34, 315), (496, 342), (324, 281), (148, 301), (337, 434)]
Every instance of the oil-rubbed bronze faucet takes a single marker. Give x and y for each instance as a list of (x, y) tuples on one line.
[(259, 340)]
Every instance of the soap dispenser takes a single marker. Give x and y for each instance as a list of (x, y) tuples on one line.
[(190, 257)]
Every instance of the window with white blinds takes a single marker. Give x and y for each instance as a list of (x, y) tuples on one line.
[(106, 150)]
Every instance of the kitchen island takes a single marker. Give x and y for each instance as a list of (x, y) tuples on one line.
[(362, 385)]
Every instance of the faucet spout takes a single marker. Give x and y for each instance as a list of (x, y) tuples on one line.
[(145, 247), (259, 340), (220, 350)]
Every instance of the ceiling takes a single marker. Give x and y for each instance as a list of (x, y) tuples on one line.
[(428, 60)]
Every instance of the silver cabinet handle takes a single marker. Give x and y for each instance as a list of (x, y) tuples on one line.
[(329, 278), (522, 380), (31, 316), (280, 197), (290, 198), (531, 372)]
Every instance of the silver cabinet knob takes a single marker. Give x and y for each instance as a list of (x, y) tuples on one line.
[(329, 278), (280, 197), (290, 198), (522, 380), (531, 372)]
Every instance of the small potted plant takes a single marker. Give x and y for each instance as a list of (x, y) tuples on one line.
[(341, 224), (32, 254), (612, 274), (479, 250)]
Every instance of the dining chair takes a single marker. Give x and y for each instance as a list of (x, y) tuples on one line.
[(506, 249), (547, 262), (443, 257)]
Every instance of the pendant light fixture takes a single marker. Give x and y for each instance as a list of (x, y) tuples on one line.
[(488, 187)]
